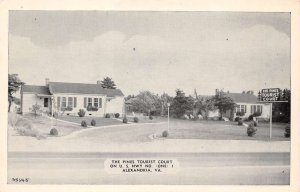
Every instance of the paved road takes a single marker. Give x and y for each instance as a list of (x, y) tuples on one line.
[(194, 168)]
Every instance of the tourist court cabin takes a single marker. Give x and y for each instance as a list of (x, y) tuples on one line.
[(70, 97), (247, 103)]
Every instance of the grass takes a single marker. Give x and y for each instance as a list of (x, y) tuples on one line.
[(220, 130), (100, 121), (43, 125)]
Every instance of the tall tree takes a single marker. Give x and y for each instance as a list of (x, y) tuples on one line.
[(145, 102), (14, 84), (108, 83), (223, 102), (181, 104)]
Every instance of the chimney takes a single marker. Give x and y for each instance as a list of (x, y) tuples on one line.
[(99, 82), (47, 81)]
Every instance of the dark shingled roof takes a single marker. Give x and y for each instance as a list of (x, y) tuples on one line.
[(242, 97), (82, 88), (36, 89)]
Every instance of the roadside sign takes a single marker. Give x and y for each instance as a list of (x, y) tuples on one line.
[(272, 94)]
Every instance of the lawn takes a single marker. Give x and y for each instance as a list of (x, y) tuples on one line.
[(43, 125), (100, 121), (220, 130)]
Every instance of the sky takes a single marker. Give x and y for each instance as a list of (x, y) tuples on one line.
[(155, 51)]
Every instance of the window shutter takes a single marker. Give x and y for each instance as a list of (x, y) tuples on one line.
[(84, 104), (100, 102), (245, 108), (251, 109), (75, 102), (58, 102), (261, 107)]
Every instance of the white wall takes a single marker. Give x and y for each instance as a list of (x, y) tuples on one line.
[(265, 109), (80, 103), (115, 105), (30, 99)]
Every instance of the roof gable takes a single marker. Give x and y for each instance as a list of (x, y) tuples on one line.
[(35, 89), (81, 88), (242, 97)]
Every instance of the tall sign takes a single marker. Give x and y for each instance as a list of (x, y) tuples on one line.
[(272, 95)]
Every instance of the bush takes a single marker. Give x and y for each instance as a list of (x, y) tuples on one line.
[(53, 131), (287, 133), (91, 108), (136, 119), (237, 119), (93, 122), (251, 130), (83, 123), (240, 122), (81, 113), (117, 115), (240, 113), (107, 115), (250, 118), (69, 108), (255, 123), (165, 134), (150, 117), (125, 120)]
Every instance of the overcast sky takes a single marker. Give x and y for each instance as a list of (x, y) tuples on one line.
[(156, 51)]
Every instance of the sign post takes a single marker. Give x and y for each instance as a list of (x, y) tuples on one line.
[(271, 95)]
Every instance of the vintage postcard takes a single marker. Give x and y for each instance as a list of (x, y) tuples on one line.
[(133, 97)]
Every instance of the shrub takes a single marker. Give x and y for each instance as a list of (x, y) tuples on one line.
[(53, 131), (240, 122), (287, 133), (255, 123), (135, 119), (256, 114), (25, 128), (69, 108), (150, 117), (93, 122), (83, 123), (251, 130), (165, 134), (91, 108), (125, 120), (36, 109), (107, 115), (117, 115), (250, 118), (240, 113), (237, 119), (81, 113)]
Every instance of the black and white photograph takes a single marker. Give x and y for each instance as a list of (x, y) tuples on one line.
[(116, 97)]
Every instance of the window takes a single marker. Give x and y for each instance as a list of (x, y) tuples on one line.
[(58, 102), (96, 102), (241, 108), (75, 102), (70, 101), (100, 102), (64, 102), (90, 102), (256, 108), (46, 100)]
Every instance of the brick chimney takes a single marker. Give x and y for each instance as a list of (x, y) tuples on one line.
[(47, 81)]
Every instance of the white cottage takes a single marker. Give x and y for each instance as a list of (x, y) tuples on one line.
[(70, 97)]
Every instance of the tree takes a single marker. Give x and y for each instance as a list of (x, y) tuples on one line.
[(108, 83), (36, 109), (282, 111), (181, 104), (223, 103), (145, 102), (14, 84)]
